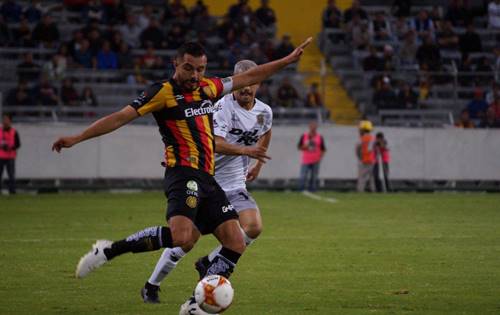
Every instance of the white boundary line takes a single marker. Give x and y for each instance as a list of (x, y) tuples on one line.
[(316, 197)]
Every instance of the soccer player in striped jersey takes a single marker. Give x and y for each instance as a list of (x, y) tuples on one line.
[(183, 108)]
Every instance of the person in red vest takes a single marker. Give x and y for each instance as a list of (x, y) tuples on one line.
[(382, 159), (9, 143), (313, 148), (366, 156)]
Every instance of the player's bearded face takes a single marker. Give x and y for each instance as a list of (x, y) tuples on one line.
[(247, 94), (189, 70)]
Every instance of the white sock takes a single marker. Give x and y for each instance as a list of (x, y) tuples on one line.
[(215, 252), (166, 264)]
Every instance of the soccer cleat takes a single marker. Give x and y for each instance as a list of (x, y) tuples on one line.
[(94, 259), (201, 265), (149, 293), (192, 308)]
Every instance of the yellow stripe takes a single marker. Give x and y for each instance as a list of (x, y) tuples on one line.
[(210, 136), (154, 104), (186, 134), (170, 156), (169, 95), (212, 88), (196, 96)]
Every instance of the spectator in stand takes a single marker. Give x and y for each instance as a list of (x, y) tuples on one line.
[(494, 14), (55, 68), (355, 9), (131, 31), (477, 107), (407, 98), (95, 41), (429, 54), (493, 92), (313, 149), (408, 50), (236, 10), (257, 54), (34, 11), (332, 16), (93, 12), (46, 32), (382, 160), (401, 28), (106, 58), (22, 35), (265, 15), (470, 41), (69, 95), (286, 94), (144, 19), (389, 64), (83, 56), (423, 25), (175, 37), (359, 33), (447, 38), (28, 70), (75, 43), (436, 16), (124, 57), (458, 14), (380, 28), (313, 98), (11, 11), (484, 69), (20, 95), (88, 98), (490, 121), (203, 22), (385, 97), (284, 48), (150, 60), (45, 93), (373, 62), (464, 121), (198, 9), (401, 8)]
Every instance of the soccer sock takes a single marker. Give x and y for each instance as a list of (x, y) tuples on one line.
[(149, 239), (248, 241), (223, 264), (166, 264)]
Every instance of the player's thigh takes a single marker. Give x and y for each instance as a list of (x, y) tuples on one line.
[(229, 235)]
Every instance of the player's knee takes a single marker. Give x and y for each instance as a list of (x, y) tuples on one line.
[(253, 230), (183, 238), (235, 242)]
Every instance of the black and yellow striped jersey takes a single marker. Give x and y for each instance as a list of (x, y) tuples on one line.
[(185, 120)]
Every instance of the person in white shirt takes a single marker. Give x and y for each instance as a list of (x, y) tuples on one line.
[(494, 14)]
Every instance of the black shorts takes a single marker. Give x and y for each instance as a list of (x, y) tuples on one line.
[(196, 195)]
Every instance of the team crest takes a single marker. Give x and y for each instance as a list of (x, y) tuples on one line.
[(260, 119), (192, 202), (192, 185)]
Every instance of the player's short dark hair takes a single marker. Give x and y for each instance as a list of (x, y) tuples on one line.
[(191, 48)]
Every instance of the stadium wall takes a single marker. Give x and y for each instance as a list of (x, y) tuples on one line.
[(136, 152)]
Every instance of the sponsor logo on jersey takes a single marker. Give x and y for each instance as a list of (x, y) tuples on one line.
[(205, 108), (192, 202), (246, 137), (260, 119), (179, 97), (227, 208), (192, 185)]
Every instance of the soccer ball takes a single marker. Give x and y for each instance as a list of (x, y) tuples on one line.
[(214, 294)]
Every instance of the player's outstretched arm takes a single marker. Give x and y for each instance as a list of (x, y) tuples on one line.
[(100, 127), (256, 152), (262, 72)]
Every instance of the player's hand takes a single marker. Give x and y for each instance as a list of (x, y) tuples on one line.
[(64, 142), (294, 56), (257, 152), (253, 173)]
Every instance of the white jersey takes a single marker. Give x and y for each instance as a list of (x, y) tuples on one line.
[(240, 127)]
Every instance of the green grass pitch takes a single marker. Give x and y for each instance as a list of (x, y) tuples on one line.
[(365, 254)]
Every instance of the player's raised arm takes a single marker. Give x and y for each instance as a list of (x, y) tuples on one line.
[(102, 126), (266, 70)]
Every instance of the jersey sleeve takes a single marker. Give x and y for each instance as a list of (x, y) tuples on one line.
[(268, 122), (217, 87), (222, 120), (150, 100)]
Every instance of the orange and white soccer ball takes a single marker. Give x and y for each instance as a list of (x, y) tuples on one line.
[(214, 294)]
